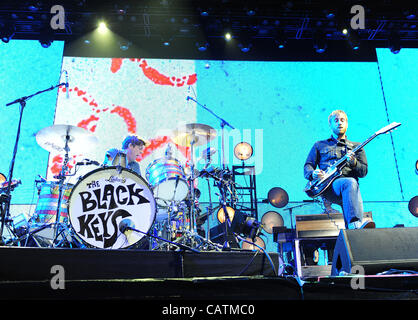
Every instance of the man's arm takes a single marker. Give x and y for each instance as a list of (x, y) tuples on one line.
[(311, 162)]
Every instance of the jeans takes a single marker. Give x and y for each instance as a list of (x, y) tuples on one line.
[(345, 192)]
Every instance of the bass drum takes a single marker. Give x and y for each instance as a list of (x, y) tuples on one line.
[(105, 202)]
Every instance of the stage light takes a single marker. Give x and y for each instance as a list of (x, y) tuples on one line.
[(46, 37), (45, 43), (244, 42), (270, 220), (243, 151), (354, 40), (102, 28), (278, 197), (416, 167), (202, 45), (413, 206), (228, 36), (279, 38), (7, 33), (221, 215), (394, 42), (125, 45), (344, 31), (319, 41)]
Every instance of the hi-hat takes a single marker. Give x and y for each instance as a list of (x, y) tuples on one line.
[(53, 139), (196, 133)]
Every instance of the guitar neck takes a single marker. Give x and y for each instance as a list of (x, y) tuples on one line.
[(339, 162)]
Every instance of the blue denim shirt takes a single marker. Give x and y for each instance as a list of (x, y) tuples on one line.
[(325, 152)]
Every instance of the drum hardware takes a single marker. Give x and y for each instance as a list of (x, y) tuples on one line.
[(63, 139), (126, 225), (6, 199)]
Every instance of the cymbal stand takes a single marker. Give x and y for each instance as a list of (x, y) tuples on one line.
[(5, 205), (61, 177)]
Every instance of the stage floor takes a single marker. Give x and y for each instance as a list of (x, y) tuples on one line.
[(95, 274)]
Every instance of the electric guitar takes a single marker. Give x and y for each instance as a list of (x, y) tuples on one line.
[(317, 186)]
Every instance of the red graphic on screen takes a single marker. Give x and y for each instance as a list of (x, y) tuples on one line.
[(93, 120)]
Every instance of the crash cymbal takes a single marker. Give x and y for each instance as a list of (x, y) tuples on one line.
[(53, 139), (271, 219), (196, 133)]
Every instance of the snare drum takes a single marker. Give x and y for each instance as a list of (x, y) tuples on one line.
[(107, 201), (46, 208), (166, 176)]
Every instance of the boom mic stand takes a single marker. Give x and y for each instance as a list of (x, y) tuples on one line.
[(223, 123), (5, 206), (123, 227)]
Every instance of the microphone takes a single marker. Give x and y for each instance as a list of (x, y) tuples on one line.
[(187, 98), (39, 179), (87, 162), (66, 84), (126, 226)]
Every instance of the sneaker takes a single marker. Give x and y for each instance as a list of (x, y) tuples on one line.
[(368, 225)]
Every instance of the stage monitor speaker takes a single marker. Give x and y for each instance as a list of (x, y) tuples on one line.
[(376, 250)]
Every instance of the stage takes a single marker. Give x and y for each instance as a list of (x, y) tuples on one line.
[(95, 274)]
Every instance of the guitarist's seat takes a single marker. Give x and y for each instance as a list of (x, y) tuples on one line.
[(318, 231)]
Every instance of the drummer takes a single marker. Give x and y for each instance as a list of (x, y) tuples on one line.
[(133, 147)]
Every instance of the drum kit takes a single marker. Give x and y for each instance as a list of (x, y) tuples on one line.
[(112, 207)]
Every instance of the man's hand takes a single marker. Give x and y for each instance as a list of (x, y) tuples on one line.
[(318, 174), (351, 159)]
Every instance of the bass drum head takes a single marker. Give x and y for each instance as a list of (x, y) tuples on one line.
[(106, 200)]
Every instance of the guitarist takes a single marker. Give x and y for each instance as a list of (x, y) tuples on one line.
[(344, 190)]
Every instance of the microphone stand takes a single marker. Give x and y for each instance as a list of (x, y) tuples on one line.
[(223, 123), (181, 246), (6, 199)]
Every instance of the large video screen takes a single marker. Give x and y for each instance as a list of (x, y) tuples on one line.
[(280, 108)]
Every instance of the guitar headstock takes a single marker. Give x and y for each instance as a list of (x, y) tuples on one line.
[(388, 128)]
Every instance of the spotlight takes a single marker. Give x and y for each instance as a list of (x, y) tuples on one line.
[(319, 41), (102, 28), (394, 42), (279, 39), (344, 31), (7, 33), (278, 197), (202, 45), (413, 206), (243, 151), (228, 36), (45, 43), (245, 42), (46, 37), (270, 220), (221, 215), (354, 40)]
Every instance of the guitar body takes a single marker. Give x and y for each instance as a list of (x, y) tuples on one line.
[(317, 187)]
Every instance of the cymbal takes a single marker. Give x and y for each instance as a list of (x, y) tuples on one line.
[(196, 133), (53, 139), (271, 219)]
